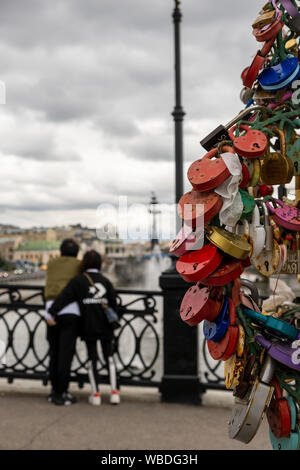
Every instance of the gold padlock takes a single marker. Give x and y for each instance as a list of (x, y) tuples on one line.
[(266, 18), (292, 46), (233, 369), (228, 242), (277, 168)]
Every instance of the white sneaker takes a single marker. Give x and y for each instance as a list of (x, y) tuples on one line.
[(95, 399), (115, 397)]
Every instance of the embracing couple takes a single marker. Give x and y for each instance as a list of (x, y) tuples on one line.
[(76, 293)]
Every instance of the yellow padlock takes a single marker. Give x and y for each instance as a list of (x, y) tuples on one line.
[(263, 20), (228, 242)]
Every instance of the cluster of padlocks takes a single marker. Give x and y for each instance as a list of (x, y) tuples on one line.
[(232, 221)]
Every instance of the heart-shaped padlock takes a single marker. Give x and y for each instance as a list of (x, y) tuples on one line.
[(281, 75), (251, 143), (187, 239), (197, 208), (215, 330), (284, 215), (208, 172), (200, 303), (197, 265), (228, 242), (278, 413), (228, 270), (281, 351)]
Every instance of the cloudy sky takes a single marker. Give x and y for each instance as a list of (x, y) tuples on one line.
[(89, 96)]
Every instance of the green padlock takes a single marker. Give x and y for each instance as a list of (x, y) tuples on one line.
[(293, 152), (248, 203)]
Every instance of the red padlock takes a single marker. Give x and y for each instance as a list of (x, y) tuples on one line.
[(228, 270), (208, 172), (195, 207), (225, 348), (252, 144), (245, 177), (201, 303), (250, 74), (187, 239), (263, 34), (278, 413), (196, 265)]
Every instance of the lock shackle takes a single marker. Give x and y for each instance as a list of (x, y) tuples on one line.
[(225, 146), (282, 138), (246, 111), (253, 289)]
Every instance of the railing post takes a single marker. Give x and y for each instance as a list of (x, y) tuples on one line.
[(180, 381)]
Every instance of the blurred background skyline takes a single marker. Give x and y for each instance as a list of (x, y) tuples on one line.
[(89, 96)]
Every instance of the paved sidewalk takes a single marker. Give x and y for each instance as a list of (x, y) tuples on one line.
[(141, 421)]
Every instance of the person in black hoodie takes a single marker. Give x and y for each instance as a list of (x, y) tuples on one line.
[(90, 288)]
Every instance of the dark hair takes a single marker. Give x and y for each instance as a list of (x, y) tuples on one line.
[(91, 260), (69, 248)]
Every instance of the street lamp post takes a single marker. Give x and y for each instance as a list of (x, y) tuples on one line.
[(178, 113)]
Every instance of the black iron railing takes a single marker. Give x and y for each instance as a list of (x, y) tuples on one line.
[(139, 342)]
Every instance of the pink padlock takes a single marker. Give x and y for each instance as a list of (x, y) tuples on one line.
[(284, 215)]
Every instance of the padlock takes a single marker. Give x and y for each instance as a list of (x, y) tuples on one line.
[(281, 75), (277, 168), (270, 31), (197, 265), (228, 242), (215, 330), (228, 270), (196, 208), (248, 203), (225, 348), (257, 233), (233, 370), (281, 351), (284, 215), (201, 303), (278, 413), (242, 229), (253, 166), (187, 239), (274, 326), (248, 377), (292, 442), (247, 415), (221, 132), (264, 19), (208, 172), (251, 143), (294, 22), (293, 152)]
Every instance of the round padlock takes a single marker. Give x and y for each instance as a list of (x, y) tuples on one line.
[(281, 75), (196, 208), (278, 413), (228, 242), (200, 303), (208, 172), (228, 270), (251, 144), (197, 265)]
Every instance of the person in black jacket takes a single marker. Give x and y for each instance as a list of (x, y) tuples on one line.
[(89, 289)]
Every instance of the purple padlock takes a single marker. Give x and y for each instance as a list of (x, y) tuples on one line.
[(284, 215), (287, 354)]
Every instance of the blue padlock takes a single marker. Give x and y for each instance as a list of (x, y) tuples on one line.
[(281, 75), (216, 330), (273, 325)]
